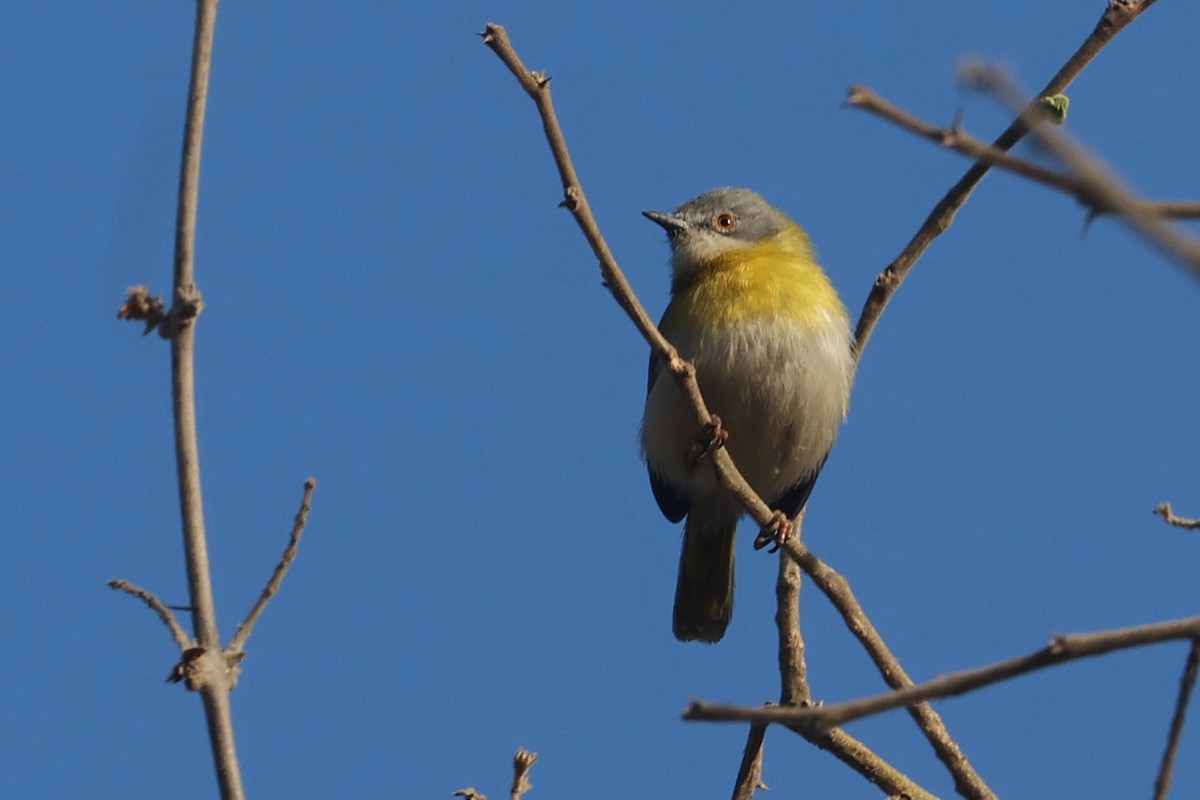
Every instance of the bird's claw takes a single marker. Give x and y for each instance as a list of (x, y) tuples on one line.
[(712, 439), (775, 534)]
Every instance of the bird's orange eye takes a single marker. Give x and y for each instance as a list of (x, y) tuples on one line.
[(725, 222)]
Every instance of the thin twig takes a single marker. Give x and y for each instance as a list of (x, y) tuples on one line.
[(1115, 18), (1064, 648), (177, 632), (793, 669), (749, 777), (954, 138), (237, 643), (537, 86), (1094, 178), (1164, 511), (868, 764), (835, 587), (1186, 683)]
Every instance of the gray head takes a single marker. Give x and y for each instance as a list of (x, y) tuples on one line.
[(717, 222)]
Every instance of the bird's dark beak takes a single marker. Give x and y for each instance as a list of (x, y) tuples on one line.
[(672, 224)]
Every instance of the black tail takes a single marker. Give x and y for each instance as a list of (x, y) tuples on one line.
[(704, 593)]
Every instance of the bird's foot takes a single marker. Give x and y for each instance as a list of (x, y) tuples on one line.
[(775, 534), (712, 439)]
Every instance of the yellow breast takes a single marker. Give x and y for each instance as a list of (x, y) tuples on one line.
[(775, 279)]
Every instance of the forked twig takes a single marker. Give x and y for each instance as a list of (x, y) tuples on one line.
[(1116, 16), (1094, 178), (537, 86), (956, 139)]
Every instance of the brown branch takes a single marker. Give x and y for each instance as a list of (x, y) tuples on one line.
[(237, 643), (795, 692), (1095, 179), (967, 781), (149, 598), (749, 777), (1186, 683), (1114, 19), (1064, 648), (204, 666), (537, 86), (1164, 511), (954, 138)]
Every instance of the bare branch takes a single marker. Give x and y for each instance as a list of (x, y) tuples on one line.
[(204, 668), (954, 138), (1115, 18), (1061, 649), (1164, 511), (1186, 683), (537, 86), (794, 691), (793, 669), (749, 777), (238, 642), (967, 781), (177, 632)]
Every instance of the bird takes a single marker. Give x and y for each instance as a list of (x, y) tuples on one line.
[(773, 354)]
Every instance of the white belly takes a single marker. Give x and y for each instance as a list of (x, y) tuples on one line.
[(781, 392)]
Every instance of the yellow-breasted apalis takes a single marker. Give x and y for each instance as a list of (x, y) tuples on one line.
[(771, 344)]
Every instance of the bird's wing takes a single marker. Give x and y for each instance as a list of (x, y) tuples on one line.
[(671, 502), (791, 501)]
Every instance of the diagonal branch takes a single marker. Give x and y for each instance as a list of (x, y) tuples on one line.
[(537, 86), (1115, 18), (967, 781), (1062, 649), (238, 642), (954, 138), (149, 598), (1186, 683)]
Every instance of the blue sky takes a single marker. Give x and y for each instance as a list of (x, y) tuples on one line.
[(396, 307)]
